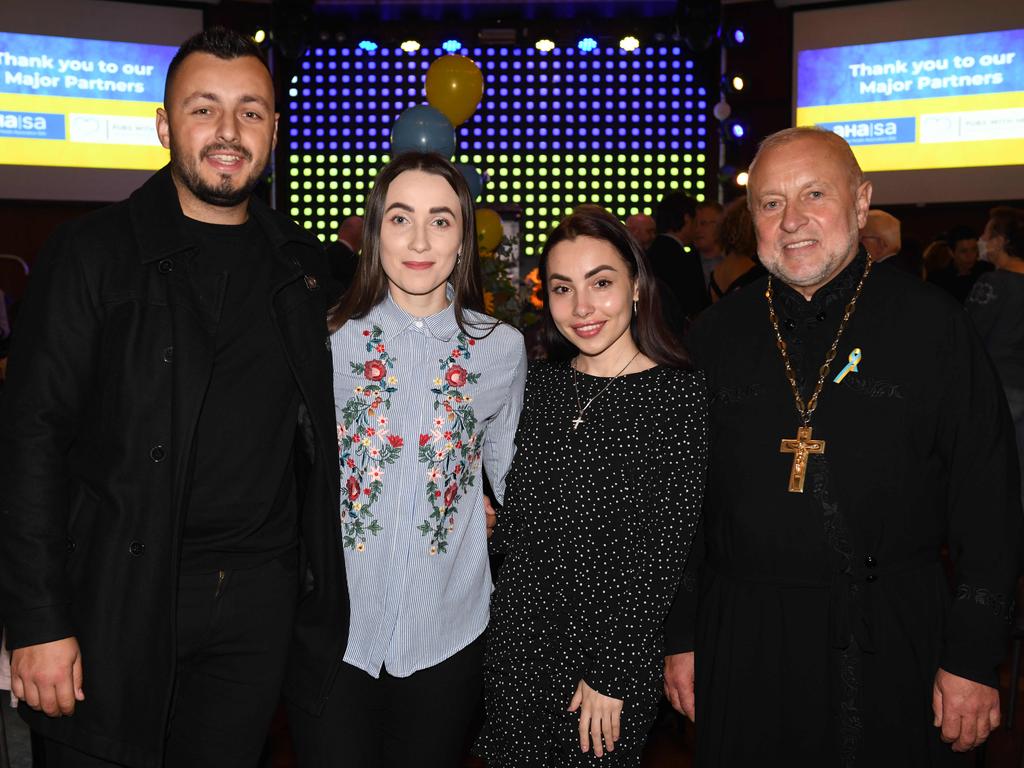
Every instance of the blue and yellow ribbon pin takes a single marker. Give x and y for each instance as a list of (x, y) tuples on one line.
[(850, 367)]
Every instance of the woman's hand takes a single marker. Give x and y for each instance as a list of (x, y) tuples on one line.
[(599, 717), (489, 515)]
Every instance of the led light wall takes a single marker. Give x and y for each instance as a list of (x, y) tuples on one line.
[(555, 128)]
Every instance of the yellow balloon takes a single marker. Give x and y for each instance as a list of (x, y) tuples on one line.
[(488, 229), (455, 86)]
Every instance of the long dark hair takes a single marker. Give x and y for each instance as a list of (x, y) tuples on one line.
[(370, 284), (648, 328)]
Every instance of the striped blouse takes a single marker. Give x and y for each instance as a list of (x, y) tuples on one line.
[(419, 405)]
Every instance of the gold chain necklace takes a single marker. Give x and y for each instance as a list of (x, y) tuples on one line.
[(804, 445)]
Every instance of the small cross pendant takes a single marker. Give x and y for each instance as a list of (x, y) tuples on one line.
[(576, 422), (801, 447)]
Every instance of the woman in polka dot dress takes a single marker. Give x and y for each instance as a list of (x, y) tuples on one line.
[(602, 503)]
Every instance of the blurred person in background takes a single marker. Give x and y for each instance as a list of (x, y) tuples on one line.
[(738, 243), (996, 305), (966, 267), (705, 236), (642, 228), (881, 235)]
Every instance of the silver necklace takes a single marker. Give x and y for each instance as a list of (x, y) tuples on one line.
[(579, 417)]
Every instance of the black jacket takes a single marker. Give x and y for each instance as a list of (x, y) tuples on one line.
[(680, 282), (108, 369)]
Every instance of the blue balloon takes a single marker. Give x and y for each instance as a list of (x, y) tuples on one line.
[(473, 179), (422, 129)]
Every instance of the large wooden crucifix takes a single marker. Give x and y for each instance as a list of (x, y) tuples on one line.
[(801, 448)]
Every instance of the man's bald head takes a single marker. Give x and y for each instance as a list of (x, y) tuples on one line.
[(643, 229), (836, 144), (881, 235), (351, 232)]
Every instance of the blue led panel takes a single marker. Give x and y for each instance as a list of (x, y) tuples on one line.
[(555, 129)]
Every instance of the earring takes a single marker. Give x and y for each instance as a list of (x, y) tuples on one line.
[(634, 307)]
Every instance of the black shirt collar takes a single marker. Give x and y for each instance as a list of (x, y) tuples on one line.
[(839, 289)]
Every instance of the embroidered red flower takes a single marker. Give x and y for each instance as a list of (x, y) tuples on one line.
[(424, 439), (458, 467), (437, 494), (449, 494), (367, 491), (370, 431), (350, 462), (374, 370), (472, 342), (380, 347), (366, 333), (396, 441), (456, 353), (353, 488), (456, 376), (458, 444), (448, 435)]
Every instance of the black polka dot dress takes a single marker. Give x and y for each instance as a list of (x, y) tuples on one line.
[(596, 527)]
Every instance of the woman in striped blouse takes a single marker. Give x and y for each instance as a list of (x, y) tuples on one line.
[(428, 392)]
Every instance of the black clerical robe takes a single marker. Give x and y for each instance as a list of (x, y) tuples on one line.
[(820, 618)]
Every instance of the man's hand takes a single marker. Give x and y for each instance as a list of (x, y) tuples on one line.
[(966, 711), (599, 718), (679, 684), (48, 676), (490, 515)]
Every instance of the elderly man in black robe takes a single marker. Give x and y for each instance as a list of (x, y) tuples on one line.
[(857, 428)]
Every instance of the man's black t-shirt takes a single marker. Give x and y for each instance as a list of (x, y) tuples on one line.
[(242, 509)]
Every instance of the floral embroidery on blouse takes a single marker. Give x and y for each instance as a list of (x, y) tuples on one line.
[(451, 449), (365, 444)]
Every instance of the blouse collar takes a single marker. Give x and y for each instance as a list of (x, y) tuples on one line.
[(393, 320)]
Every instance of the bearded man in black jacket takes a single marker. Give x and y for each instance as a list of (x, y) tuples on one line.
[(168, 477)]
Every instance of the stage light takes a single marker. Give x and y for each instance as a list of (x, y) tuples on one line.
[(545, 45), (452, 45), (734, 130), (629, 43), (737, 83), (587, 44), (410, 46), (738, 36), (260, 36), (741, 178), (368, 45)]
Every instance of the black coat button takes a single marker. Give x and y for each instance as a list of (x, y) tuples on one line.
[(71, 545), (168, 354), (790, 324), (158, 453), (165, 266), (820, 317), (136, 548), (870, 562), (871, 579)]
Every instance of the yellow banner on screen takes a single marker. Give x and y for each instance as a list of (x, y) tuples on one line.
[(987, 130), (80, 133)]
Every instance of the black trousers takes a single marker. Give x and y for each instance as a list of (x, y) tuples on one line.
[(233, 633), (423, 720)]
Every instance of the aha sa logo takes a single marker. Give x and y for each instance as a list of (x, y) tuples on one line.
[(16, 122)]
